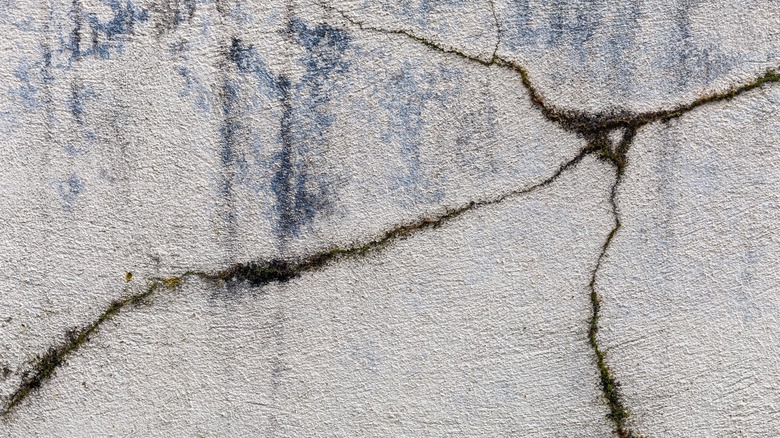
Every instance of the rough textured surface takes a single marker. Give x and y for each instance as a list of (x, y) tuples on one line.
[(450, 332), (354, 218), (691, 279)]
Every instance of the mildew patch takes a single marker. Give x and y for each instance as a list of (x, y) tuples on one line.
[(91, 36), (170, 14), (69, 190)]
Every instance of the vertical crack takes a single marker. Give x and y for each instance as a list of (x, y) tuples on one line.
[(618, 412), (499, 30)]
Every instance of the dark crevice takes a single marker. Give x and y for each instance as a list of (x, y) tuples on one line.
[(585, 124), (618, 412), (594, 128), (499, 30), (281, 270), (255, 274), (46, 364)]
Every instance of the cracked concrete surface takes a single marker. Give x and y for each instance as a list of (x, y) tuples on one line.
[(691, 279), (148, 139), (412, 340)]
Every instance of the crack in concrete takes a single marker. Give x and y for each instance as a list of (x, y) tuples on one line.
[(594, 128), (618, 413), (499, 30), (256, 274)]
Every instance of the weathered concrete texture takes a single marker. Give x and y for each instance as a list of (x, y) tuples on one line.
[(602, 56), (368, 148), (155, 138), (467, 329), (690, 282), (468, 26), (637, 55)]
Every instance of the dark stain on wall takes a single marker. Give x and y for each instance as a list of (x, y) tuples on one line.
[(302, 191), (170, 14), (104, 37)]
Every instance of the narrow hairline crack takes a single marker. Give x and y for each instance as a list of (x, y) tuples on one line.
[(594, 128), (580, 122), (499, 30), (256, 274)]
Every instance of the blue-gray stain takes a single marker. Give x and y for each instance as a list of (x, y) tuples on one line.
[(229, 132), (405, 96), (171, 14), (26, 92), (420, 12), (193, 88), (79, 95), (185, 11), (690, 64), (619, 42), (248, 61), (69, 190), (300, 193), (103, 37)]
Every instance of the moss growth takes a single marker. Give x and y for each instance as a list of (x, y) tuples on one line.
[(594, 128), (260, 273), (45, 365)]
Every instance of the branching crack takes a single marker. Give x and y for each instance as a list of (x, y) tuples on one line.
[(618, 413), (594, 128)]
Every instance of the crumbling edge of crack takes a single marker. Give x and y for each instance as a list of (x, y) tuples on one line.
[(610, 387), (582, 123), (595, 129), (256, 274)]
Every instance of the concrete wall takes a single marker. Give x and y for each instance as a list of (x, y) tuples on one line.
[(389, 218)]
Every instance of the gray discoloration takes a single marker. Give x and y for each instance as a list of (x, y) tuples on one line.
[(302, 192), (300, 167), (169, 14)]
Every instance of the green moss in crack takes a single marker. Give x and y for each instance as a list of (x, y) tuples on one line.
[(45, 365), (610, 387), (260, 273)]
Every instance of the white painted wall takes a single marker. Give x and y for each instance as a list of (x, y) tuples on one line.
[(164, 137)]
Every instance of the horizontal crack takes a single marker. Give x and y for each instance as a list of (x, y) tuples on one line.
[(256, 273), (588, 125)]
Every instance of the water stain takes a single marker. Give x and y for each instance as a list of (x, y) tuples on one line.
[(407, 96), (92, 36), (26, 93), (69, 189), (79, 96), (300, 192), (170, 14)]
